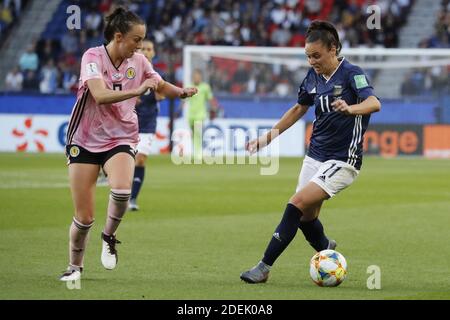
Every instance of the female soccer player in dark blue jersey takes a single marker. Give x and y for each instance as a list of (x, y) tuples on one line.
[(343, 101), (147, 111)]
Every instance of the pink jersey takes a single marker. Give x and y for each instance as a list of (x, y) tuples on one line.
[(99, 128)]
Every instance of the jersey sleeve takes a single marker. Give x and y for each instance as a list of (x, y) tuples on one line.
[(149, 72), (360, 84), (304, 97), (91, 67)]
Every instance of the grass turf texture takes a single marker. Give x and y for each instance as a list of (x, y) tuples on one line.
[(199, 226)]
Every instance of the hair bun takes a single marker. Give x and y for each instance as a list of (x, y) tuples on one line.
[(117, 12), (320, 25), (120, 20), (324, 31)]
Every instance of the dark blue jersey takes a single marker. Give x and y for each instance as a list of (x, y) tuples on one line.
[(147, 112), (336, 136)]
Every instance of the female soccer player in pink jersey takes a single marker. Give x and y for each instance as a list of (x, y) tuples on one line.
[(103, 130)]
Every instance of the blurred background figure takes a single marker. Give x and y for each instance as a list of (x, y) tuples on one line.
[(199, 107), (14, 80), (147, 109)]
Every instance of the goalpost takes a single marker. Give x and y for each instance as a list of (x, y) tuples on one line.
[(258, 84)]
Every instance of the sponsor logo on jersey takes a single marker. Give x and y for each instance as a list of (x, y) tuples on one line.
[(131, 73), (74, 151)]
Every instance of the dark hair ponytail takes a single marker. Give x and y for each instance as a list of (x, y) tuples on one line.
[(325, 32), (121, 20)]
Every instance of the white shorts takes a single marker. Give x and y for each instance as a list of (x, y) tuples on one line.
[(145, 143), (332, 176)]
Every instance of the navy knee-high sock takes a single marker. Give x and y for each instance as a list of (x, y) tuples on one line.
[(283, 234), (139, 173), (313, 232)]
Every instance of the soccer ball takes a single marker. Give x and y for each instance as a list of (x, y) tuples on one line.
[(328, 268)]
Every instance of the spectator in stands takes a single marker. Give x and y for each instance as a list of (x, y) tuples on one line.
[(313, 6), (14, 80), (49, 77), (440, 80), (16, 4), (280, 36), (390, 32), (414, 83), (241, 76), (68, 78), (282, 88), (69, 42), (92, 21), (31, 82), (104, 6), (88, 41), (29, 59), (219, 81), (6, 16), (441, 37), (48, 52)]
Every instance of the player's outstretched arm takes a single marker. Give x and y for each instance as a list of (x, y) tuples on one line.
[(287, 120), (168, 90), (368, 106), (103, 95)]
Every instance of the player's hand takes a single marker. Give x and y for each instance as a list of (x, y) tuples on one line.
[(188, 92), (256, 144), (342, 107), (151, 84)]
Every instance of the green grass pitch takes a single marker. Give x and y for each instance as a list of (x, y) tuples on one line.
[(201, 225)]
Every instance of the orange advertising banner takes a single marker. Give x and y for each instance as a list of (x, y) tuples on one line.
[(436, 141), (388, 140)]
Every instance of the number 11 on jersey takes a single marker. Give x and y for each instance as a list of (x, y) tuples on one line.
[(324, 103)]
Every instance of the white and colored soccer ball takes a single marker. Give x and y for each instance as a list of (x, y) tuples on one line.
[(328, 268)]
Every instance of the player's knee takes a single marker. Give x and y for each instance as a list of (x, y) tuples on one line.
[(122, 184), (300, 202), (85, 219)]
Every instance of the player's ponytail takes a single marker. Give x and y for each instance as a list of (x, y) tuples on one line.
[(121, 20), (325, 32)]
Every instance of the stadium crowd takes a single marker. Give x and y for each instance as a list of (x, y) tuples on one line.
[(51, 64), (10, 11), (435, 80), (441, 37)]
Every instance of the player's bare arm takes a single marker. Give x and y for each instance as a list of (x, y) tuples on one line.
[(168, 90), (103, 95), (368, 106), (287, 120)]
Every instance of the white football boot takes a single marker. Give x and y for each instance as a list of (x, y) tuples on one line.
[(72, 274), (109, 253)]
